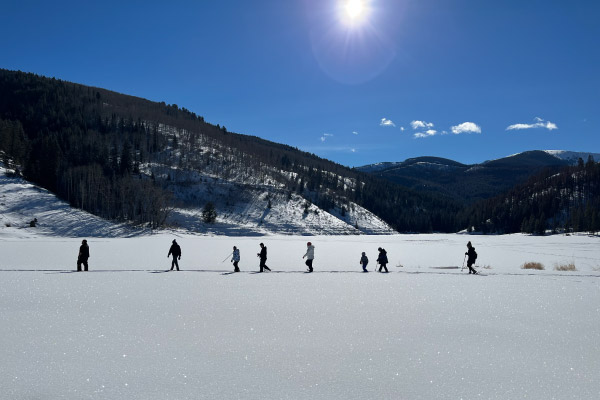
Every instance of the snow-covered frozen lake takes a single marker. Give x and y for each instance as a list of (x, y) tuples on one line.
[(129, 330)]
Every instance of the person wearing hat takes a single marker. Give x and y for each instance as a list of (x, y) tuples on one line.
[(84, 254), (310, 256), (176, 251)]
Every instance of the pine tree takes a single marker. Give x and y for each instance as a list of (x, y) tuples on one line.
[(209, 213)]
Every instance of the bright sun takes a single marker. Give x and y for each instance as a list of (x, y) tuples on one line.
[(354, 10)]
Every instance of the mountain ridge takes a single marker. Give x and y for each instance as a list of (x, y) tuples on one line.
[(128, 159), (474, 182)]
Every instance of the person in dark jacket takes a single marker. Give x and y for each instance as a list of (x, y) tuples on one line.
[(471, 257), (382, 260), (176, 251), (263, 258), (84, 254), (364, 260)]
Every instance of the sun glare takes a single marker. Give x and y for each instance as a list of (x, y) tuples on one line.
[(354, 8), (354, 11)]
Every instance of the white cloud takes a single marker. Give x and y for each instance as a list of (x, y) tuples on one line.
[(539, 123), (325, 136), (386, 122), (353, 150), (421, 125), (427, 133), (466, 127), (402, 128), (355, 133)]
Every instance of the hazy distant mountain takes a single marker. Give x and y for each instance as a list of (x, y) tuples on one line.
[(572, 157), (472, 182)]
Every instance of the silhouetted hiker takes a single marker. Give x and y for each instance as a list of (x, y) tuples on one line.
[(382, 259), (176, 251), (471, 257), (364, 260), (263, 258), (310, 256), (235, 259), (82, 257)]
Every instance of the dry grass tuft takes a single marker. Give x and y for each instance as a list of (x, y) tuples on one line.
[(487, 266), (565, 267), (533, 265)]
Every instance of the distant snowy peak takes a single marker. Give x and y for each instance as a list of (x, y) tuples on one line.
[(370, 168), (573, 156), (425, 162)]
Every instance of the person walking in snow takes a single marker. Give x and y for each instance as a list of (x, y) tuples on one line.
[(263, 258), (310, 256), (382, 259), (82, 257), (175, 250), (471, 257), (364, 260), (235, 259)]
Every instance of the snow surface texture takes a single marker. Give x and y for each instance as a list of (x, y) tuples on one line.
[(426, 330)]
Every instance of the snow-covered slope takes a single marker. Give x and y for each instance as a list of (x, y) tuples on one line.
[(22, 202), (573, 156), (261, 209), (241, 210)]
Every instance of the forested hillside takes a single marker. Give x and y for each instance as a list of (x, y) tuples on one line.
[(124, 158), (568, 200), (466, 184)]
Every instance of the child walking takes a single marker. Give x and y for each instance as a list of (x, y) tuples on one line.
[(364, 260)]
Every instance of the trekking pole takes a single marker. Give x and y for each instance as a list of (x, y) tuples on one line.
[(463, 266), (227, 257)]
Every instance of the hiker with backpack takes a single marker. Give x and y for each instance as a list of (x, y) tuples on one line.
[(382, 259), (472, 256), (310, 256)]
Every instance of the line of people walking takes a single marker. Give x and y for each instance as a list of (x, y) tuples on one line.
[(175, 252)]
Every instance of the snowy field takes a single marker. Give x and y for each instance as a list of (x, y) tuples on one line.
[(129, 330)]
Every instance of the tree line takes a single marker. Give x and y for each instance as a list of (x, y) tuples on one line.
[(122, 157), (563, 201)]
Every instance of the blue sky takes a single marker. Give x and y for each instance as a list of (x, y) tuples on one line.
[(469, 80)]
